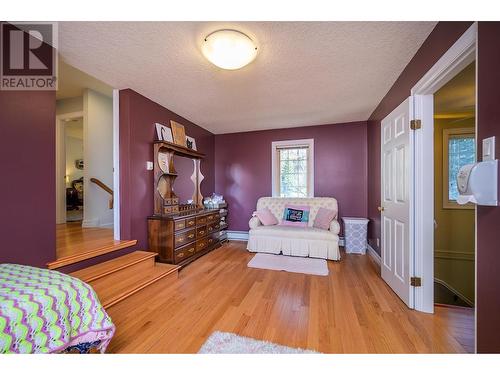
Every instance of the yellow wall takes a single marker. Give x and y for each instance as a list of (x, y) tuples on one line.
[(454, 236)]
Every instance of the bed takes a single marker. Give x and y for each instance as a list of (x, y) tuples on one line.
[(44, 311)]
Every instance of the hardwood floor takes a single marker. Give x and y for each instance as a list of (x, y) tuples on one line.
[(74, 243), (350, 311)]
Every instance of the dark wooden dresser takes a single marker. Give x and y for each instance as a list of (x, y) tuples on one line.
[(183, 237)]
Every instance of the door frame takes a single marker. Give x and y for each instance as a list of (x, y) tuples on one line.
[(461, 54), (61, 164)]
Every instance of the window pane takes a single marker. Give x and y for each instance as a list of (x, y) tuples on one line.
[(293, 172), (461, 151)]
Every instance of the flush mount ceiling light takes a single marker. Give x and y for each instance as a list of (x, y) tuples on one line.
[(229, 49)]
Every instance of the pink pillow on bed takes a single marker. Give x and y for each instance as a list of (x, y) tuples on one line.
[(266, 217), (323, 218)]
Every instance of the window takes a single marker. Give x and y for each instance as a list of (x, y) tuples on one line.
[(459, 149), (293, 168)]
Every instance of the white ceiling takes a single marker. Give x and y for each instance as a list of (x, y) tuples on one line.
[(306, 73)]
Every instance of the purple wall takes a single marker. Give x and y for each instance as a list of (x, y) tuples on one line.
[(488, 218), (243, 167), (27, 188), (444, 35), (138, 116)]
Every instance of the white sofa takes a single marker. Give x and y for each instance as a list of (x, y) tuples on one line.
[(296, 241)]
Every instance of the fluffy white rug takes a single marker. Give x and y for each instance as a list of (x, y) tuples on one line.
[(310, 266), (230, 343)]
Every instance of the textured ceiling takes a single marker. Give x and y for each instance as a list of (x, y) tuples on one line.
[(306, 73)]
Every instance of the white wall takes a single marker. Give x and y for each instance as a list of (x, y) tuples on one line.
[(98, 158), (69, 105), (74, 151)]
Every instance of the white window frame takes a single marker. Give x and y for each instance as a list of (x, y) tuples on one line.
[(447, 134), (275, 146)]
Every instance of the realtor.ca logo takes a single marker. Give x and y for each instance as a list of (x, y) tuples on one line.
[(28, 56)]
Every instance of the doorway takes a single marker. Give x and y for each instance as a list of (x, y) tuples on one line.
[(86, 163), (454, 147), (412, 174)]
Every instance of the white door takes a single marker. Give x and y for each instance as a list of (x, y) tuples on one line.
[(396, 218)]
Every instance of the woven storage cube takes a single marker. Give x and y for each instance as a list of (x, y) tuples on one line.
[(355, 230)]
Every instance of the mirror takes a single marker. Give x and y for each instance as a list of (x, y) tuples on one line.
[(183, 186)]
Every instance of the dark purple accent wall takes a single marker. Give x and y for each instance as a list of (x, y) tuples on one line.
[(243, 167), (138, 116), (444, 35), (488, 218), (27, 187)]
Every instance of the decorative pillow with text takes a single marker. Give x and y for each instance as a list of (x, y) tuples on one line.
[(296, 216)]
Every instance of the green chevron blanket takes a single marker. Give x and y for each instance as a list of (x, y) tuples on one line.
[(43, 311)]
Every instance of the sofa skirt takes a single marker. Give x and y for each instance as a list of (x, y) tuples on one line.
[(293, 246)]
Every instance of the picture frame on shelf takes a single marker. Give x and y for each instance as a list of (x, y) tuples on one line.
[(164, 133), (191, 143), (179, 133)]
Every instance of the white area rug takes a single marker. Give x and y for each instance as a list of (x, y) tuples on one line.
[(230, 343), (310, 266)]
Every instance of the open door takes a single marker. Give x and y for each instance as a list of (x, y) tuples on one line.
[(396, 218)]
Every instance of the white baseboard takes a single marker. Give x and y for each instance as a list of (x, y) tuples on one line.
[(237, 235), (107, 225), (453, 290), (374, 254)]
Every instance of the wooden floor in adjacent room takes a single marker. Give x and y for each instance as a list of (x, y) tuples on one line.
[(350, 311), (74, 243)]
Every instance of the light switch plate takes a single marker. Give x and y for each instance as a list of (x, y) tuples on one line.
[(489, 148), (149, 165)]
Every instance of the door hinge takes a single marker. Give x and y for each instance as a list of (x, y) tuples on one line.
[(415, 281), (415, 124)]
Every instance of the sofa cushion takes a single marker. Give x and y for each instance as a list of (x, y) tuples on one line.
[(295, 232), (324, 218), (295, 216), (266, 217)]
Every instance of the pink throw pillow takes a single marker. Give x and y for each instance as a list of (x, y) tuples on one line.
[(296, 216), (323, 218), (266, 217)]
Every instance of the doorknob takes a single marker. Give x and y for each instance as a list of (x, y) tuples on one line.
[(380, 208)]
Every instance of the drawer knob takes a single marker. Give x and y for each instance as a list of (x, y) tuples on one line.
[(191, 235), (180, 255)]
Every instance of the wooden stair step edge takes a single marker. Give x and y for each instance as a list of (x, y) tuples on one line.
[(100, 270), (88, 254), (112, 295)]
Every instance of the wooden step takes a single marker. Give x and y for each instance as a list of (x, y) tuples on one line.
[(121, 277), (112, 293), (90, 252), (114, 265)]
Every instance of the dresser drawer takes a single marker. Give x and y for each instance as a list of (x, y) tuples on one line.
[(213, 227), (184, 237), (191, 222), (179, 225), (211, 240), (184, 252), (201, 231), (201, 220), (201, 244)]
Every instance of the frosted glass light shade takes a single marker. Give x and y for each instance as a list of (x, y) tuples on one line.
[(229, 49)]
